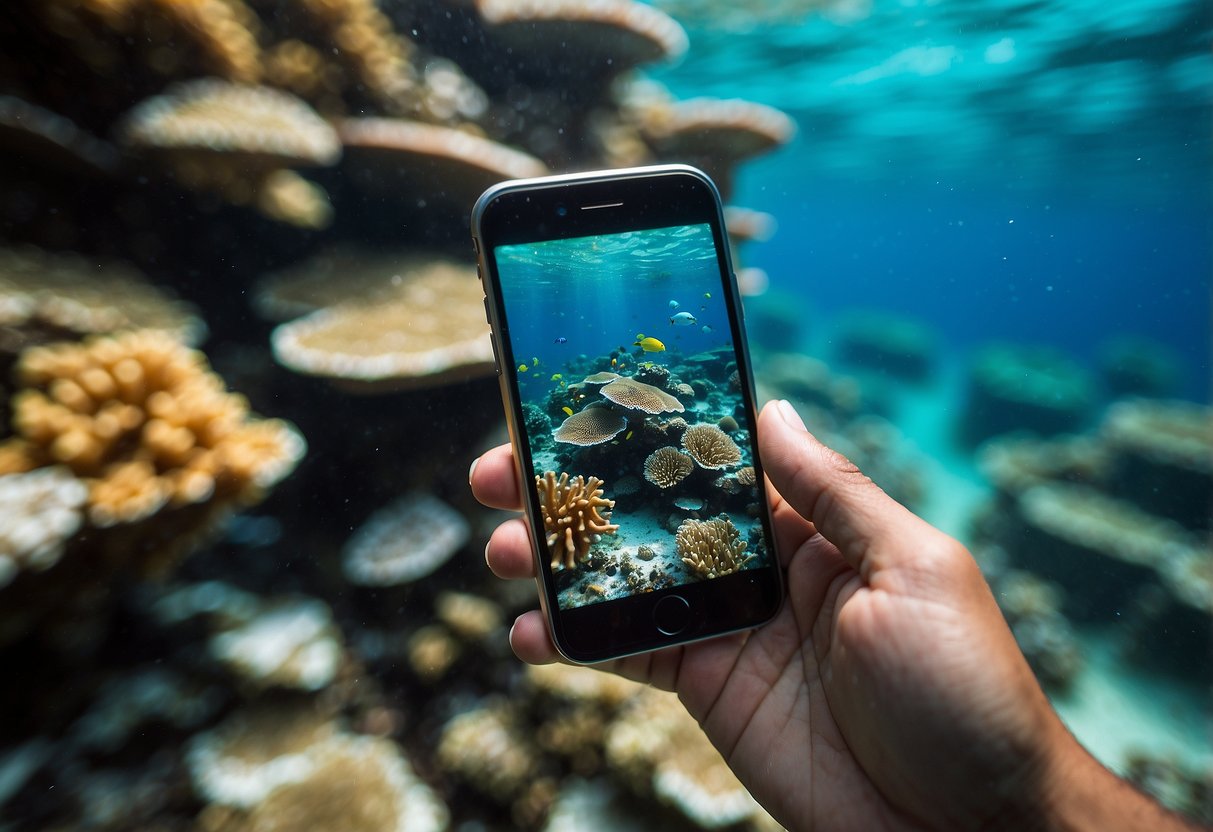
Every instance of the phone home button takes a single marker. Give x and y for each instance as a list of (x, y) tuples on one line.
[(671, 615)]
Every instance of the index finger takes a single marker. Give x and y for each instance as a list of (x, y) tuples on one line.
[(494, 479)]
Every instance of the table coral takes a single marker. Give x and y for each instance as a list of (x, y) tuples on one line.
[(573, 516), (591, 426), (710, 446), (640, 397), (145, 424), (711, 548), (404, 542)]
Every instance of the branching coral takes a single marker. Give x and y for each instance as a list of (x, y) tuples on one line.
[(710, 446), (711, 548), (666, 467), (573, 516), (144, 423)]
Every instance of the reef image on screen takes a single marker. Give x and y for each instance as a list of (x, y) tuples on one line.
[(633, 414)]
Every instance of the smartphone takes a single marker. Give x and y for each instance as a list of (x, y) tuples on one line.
[(618, 334)]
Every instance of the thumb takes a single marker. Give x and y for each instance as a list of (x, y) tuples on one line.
[(868, 527)]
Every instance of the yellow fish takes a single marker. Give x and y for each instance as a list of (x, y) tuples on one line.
[(568, 411), (650, 344), (614, 362), (556, 376), (522, 368), (629, 436)]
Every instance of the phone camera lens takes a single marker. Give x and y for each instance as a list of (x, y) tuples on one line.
[(561, 210)]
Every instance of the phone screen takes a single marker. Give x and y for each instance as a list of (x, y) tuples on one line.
[(633, 414), (627, 387)]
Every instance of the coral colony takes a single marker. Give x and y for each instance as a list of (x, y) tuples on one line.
[(214, 624)]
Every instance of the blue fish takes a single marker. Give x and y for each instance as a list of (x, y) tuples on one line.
[(561, 340)]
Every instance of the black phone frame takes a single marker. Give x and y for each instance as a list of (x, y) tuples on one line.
[(607, 202)]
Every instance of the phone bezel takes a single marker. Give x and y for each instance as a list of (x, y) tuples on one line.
[(605, 202)]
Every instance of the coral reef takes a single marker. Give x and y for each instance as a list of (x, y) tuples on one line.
[(487, 747), (710, 446), (639, 397), (43, 509), (711, 548), (668, 466), (404, 542), (573, 516), (888, 344), (591, 426)]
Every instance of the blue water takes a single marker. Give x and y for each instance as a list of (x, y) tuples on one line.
[(1038, 173), (591, 296)]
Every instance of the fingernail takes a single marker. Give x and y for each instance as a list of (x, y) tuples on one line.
[(486, 553), (790, 417), (472, 468)]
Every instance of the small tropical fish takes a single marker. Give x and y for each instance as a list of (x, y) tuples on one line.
[(561, 340), (614, 363), (522, 368), (534, 361), (706, 329), (568, 411), (707, 295), (562, 384), (650, 344), (556, 376), (629, 436), (683, 319), (674, 304)]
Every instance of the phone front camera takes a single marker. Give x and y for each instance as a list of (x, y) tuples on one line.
[(561, 210)]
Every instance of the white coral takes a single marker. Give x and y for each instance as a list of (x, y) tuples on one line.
[(39, 511)]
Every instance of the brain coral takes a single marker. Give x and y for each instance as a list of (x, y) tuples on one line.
[(573, 516), (667, 467), (636, 395), (710, 446), (711, 548), (592, 426), (146, 425)]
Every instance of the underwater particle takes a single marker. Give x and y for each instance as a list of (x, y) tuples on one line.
[(30, 132), (468, 616), (255, 750), (573, 516), (591, 426), (637, 396), (488, 748), (400, 156), (44, 294), (711, 548), (600, 378), (668, 466), (39, 512), (710, 446), (403, 542), (421, 327), (291, 643)]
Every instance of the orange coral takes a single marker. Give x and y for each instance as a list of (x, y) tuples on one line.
[(572, 516)]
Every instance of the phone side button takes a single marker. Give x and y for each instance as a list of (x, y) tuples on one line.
[(496, 359), (671, 615)]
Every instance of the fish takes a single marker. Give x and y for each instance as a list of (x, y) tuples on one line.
[(614, 363), (556, 376), (534, 361), (706, 329), (568, 411), (629, 436), (560, 340), (683, 319), (707, 295), (650, 344), (674, 304), (522, 368)]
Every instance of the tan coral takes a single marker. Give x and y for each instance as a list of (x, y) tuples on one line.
[(144, 423), (575, 514), (489, 748), (711, 548), (45, 296), (666, 467), (468, 616), (710, 446), (432, 333), (443, 163), (39, 512), (638, 396), (404, 542), (591, 426)]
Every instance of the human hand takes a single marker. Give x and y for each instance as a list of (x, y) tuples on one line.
[(887, 693)]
